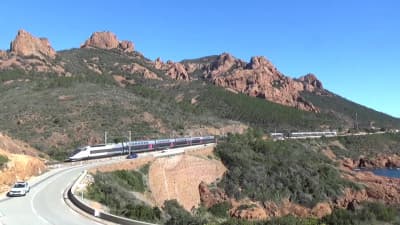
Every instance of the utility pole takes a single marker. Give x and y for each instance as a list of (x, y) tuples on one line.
[(130, 139), (105, 137)]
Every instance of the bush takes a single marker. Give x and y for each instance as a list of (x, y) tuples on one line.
[(112, 190), (130, 179), (179, 216), (382, 212), (220, 209), (370, 213), (3, 160)]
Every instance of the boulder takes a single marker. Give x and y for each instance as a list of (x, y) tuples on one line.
[(209, 198)]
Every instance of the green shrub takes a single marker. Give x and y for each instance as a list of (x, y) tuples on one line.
[(370, 213), (114, 189), (340, 216), (132, 179), (3, 160), (220, 209), (179, 216), (382, 212)]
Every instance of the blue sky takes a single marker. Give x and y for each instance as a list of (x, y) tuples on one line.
[(352, 46)]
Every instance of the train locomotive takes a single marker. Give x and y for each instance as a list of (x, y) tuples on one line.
[(106, 150)]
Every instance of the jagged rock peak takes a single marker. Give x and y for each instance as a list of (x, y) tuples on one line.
[(226, 57), (257, 62), (25, 44), (107, 40), (312, 80)]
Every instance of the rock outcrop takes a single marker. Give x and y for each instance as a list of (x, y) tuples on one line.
[(252, 211), (380, 161), (176, 71), (260, 78), (135, 68), (107, 40), (224, 63), (211, 197), (350, 198), (377, 188), (311, 82), (27, 45), (247, 209), (30, 54)]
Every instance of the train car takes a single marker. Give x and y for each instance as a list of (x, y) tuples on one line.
[(164, 143), (180, 142), (138, 146), (97, 151), (105, 150), (317, 134), (208, 139)]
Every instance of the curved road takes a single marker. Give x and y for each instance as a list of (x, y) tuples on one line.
[(44, 204)]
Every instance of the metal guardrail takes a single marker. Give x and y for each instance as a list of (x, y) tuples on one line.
[(93, 212)]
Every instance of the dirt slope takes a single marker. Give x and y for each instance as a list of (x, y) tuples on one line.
[(178, 177), (23, 162)]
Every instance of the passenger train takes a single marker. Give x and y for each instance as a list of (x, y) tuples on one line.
[(105, 150), (303, 135)]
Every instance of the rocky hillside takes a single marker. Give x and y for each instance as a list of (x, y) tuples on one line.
[(56, 101), (258, 78)]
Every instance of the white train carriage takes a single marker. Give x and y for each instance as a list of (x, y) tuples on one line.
[(97, 151)]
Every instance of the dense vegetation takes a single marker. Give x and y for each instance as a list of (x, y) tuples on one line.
[(3, 160), (261, 113), (114, 189), (266, 170)]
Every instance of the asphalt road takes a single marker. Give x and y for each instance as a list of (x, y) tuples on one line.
[(44, 204)]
